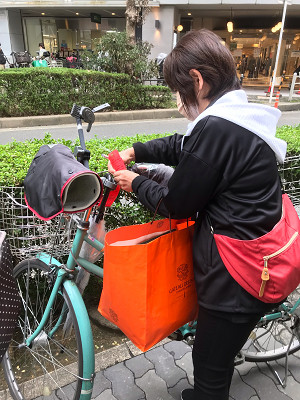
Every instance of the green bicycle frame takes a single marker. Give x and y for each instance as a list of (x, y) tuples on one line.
[(65, 279)]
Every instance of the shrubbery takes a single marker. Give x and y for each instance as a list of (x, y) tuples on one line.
[(16, 157), (115, 53), (291, 134), (46, 91)]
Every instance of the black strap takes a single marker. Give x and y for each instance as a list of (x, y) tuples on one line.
[(155, 212), (170, 220), (210, 223), (281, 184)]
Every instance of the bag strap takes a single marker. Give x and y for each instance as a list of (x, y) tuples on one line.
[(210, 223), (170, 220), (281, 184), (155, 212)]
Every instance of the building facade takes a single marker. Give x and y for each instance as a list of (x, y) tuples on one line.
[(68, 25)]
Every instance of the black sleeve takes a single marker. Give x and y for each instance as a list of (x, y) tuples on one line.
[(165, 150), (189, 190)]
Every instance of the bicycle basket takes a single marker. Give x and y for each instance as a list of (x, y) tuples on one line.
[(23, 57), (290, 178), (27, 235)]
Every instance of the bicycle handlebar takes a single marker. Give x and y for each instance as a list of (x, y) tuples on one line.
[(87, 115)]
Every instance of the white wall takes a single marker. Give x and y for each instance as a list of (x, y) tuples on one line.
[(15, 30), (161, 38), (11, 34), (4, 32)]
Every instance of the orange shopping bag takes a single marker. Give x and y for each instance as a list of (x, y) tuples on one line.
[(148, 286)]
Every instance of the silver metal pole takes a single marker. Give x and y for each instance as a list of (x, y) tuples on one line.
[(278, 50)]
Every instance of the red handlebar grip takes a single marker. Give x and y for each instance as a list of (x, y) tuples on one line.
[(116, 161), (118, 164)]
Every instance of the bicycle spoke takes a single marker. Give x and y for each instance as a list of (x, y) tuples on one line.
[(53, 359)]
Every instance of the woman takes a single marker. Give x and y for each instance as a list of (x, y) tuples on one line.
[(226, 175), (43, 53)]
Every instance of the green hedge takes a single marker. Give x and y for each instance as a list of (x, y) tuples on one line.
[(291, 134), (16, 157), (46, 91)]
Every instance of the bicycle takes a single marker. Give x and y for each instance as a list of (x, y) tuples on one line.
[(54, 338)]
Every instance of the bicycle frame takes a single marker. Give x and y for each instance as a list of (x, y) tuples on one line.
[(65, 281), (188, 330), (65, 278)]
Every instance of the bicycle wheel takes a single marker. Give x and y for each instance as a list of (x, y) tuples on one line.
[(53, 363), (271, 340)]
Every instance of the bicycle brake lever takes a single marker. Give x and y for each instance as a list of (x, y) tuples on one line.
[(101, 107)]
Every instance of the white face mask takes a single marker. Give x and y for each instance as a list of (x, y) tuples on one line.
[(193, 111)]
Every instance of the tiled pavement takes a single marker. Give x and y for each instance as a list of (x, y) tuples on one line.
[(164, 371)]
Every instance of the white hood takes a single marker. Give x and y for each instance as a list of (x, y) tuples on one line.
[(257, 118)]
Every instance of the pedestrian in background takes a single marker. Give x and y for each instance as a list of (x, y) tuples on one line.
[(226, 177), (43, 53), (2, 59)]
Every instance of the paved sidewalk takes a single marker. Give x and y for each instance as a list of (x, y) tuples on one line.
[(164, 371)]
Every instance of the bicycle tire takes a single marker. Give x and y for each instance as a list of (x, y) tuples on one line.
[(55, 363), (270, 341)]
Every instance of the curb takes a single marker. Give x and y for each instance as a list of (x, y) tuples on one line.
[(120, 353), (282, 106), (114, 116), (108, 116)]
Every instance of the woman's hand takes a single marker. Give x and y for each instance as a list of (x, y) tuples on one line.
[(124, 179), (126, 155)]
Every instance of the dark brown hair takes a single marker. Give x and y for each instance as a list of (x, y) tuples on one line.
[(201, 50)]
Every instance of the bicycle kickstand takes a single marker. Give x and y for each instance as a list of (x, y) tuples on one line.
[(282, 382)]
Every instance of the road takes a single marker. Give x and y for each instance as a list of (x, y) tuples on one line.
[(113, 129)]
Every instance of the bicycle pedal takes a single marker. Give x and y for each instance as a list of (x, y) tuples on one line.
[(239, 359), (190, 340), (177, 335)]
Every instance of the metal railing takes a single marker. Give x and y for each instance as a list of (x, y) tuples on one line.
[(295, 82)]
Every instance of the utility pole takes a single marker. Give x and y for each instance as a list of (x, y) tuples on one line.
[(285, 3)]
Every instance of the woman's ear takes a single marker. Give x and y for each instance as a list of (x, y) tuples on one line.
[(197, 78)]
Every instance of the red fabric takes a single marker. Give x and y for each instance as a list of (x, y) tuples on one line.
[(118, 164), (244, 259)]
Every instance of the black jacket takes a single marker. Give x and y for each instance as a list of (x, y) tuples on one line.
[(228, 173), (2, 57)]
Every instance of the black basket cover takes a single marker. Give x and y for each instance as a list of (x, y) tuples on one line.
[(56, 182)]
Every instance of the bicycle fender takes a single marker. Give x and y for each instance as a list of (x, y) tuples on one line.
[(48, 259), (85, 330)]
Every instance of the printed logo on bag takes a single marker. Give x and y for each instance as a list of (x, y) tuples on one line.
[(160, 223), (183, 272), (113, 315), (184, 278)]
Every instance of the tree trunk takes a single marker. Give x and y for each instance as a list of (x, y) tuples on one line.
[(135, 13), (131, 20)]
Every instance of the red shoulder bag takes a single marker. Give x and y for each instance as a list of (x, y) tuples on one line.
[(267, 267)]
